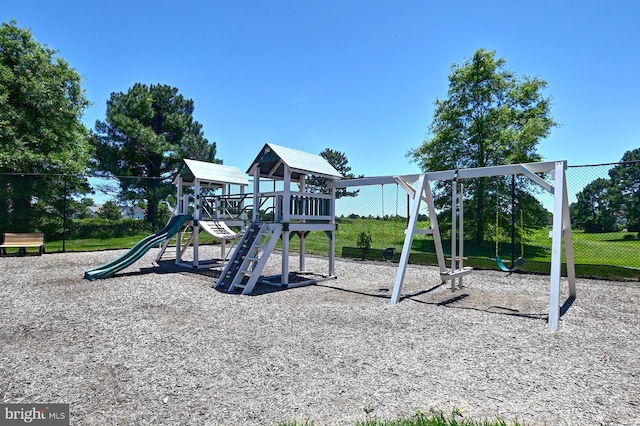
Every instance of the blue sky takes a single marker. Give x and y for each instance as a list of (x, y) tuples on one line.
[(357, 76)]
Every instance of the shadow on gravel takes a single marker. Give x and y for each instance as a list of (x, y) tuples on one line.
[(451, 303), (498, 310)]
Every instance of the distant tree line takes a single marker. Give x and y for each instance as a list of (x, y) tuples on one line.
[(613, 204)]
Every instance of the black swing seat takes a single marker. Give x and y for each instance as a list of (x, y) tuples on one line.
[(516, 265), (388, 253)]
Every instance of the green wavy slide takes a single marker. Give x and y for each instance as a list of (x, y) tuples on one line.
[(109, 269)]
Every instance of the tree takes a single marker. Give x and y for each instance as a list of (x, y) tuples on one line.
[(339, 162), (147, 133), (490, 117), (80, 209), (597, 207), (110, 210), (364, 242), (626, 178), (41, 105)]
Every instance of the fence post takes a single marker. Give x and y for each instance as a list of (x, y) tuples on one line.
[(154, 213), (64, 216)]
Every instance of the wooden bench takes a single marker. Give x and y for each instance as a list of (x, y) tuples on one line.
[(21, 242)]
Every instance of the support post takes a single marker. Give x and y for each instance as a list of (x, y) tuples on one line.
[(302, 234), (332, 234), (256, 191), (64, 217), (408, 240), (461, 233), (286, 219), (435, 229), (454, 219), (556, 246), (226, 189), (180, 210), (197, 215)]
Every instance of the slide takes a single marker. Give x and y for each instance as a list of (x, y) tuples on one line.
[(107, 270), (217, 229)]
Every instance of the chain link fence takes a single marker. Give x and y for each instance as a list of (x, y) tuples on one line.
[(81, 213)]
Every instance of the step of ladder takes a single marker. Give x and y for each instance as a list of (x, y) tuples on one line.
[(238, 257), (250, 257)]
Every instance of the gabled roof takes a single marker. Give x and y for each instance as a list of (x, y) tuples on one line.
[(211, 174), (272, 158)]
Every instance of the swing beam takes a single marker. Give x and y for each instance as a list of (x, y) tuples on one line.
[(421, 191)]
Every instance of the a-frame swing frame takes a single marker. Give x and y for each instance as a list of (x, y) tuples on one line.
[(421, 191)]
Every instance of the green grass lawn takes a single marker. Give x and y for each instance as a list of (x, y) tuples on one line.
[(93, 244), (422, 419), (597, 249)]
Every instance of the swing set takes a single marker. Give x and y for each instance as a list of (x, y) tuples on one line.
[(418, 188)]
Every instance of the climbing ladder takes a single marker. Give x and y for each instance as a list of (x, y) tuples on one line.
[(250, 256)]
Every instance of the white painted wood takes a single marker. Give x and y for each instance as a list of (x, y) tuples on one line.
[(561, 220), (302, 185), (197, 215), (435, 228), (556, 248), (454, 219), (311, 227), (332, 233), (534, 177), (275, 230), (541, 167), (286, 219), (408, 240), (461, 233), (256, 192)]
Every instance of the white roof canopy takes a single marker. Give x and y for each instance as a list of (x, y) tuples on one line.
[(272, 159), (211, 174)]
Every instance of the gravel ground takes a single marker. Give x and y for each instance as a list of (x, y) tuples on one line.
[(156, 345)]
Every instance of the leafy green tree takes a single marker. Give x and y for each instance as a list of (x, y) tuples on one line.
[(110, 210), (79, 209), (490, 117), (339, 162), (147, 133), (597, 207), (364, 242), (626, 178), (164, 213), (41, 105)]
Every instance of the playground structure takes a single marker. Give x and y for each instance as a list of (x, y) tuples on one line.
[(421, 191), (214, 213), (281, 214)]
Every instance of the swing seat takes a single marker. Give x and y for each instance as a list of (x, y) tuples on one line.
[(388, 253), (516, 265)]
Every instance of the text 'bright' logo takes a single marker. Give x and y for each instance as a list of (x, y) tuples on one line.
[(36, 414), (28, 416)]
